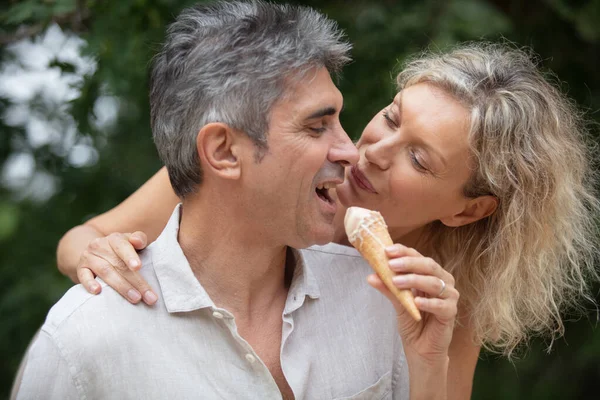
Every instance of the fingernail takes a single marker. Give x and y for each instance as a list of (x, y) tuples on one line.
[(134, 295), (139, 238), (397, 263), (399, 280), (93, 285), (133, 263), (150, 297)]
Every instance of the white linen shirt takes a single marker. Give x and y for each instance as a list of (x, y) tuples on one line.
[(339, 338)]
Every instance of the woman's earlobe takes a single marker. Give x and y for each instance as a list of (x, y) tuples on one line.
[(475, 210)]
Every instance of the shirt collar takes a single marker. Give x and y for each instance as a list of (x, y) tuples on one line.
[(182, 292), (180, 289), (304, 283)]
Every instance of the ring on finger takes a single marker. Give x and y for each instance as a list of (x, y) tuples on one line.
[(443, 287)]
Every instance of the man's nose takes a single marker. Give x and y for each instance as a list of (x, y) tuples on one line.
[(343, 151)]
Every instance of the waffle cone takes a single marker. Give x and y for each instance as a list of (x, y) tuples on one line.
[(370, 240)]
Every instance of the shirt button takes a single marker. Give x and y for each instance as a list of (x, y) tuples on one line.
[(250, 358), (217, 315)]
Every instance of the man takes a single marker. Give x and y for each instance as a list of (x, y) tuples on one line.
[(246, 118)]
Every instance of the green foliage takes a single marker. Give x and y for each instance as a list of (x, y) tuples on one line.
[(34, 10), (122, 37), (9, 219)]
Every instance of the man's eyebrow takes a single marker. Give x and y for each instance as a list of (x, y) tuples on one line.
[(323, 112)]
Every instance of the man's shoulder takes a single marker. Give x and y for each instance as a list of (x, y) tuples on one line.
[(341, 275), (71, 303), (78, 307), (332, 259), (79, 312)]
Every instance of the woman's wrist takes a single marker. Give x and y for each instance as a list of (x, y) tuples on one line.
[(428, 377), (70, 248)]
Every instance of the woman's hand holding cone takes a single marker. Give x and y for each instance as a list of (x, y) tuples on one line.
[(435, 296)]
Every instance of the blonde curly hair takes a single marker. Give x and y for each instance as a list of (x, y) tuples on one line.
[(532, 259)]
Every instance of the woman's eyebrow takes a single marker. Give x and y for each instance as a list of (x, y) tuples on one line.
[(398, 103), (428, 146)]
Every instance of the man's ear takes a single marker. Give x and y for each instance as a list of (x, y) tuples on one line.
[(475, 209), (218, 148)]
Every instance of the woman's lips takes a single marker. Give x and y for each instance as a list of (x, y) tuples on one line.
[(361, 180)]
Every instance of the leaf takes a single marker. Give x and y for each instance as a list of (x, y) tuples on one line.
[(26, 11), (64, 7), (19, 13), (65, 67), (587, 21), (9, 219)]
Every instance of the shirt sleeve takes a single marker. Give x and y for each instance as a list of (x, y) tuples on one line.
[(47, 374)]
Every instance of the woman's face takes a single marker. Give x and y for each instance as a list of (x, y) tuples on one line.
[(414, 161)]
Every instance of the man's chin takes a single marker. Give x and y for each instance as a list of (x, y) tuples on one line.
[(324, 241), (322, 236), (318, 236)]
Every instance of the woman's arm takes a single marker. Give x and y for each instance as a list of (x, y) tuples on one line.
[(82, 254), (458, 373), (441, 354), (71, 247), (463, 353), (427, 342), (148, 209)]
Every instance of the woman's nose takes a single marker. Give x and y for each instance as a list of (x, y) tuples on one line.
[(379, 153)]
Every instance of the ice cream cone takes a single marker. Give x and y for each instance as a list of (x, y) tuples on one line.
[(368, 233)]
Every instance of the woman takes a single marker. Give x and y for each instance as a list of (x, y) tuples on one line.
[(479, 163)]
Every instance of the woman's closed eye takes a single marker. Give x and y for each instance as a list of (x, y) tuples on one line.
[(389, 119), (416, 163)]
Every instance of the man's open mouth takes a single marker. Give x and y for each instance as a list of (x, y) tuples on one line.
[(323, 192)]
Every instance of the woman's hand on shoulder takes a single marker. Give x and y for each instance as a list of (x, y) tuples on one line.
[(435, 296), (114, 258)]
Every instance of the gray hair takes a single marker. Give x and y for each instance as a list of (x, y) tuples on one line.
[(230, 62), (518, 269)]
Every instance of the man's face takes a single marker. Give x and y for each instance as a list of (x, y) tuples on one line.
[(308, 150)]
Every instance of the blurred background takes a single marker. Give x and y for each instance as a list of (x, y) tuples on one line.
[(75, 137)]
